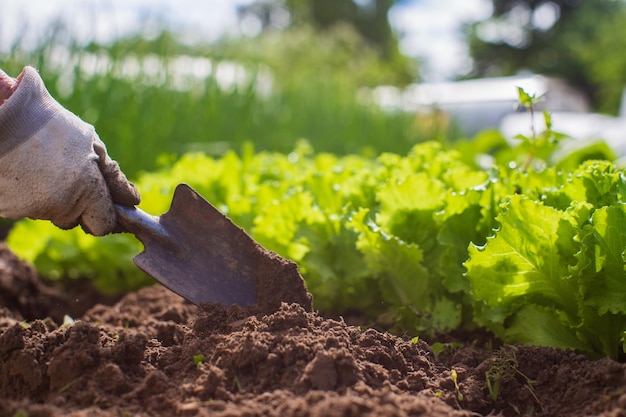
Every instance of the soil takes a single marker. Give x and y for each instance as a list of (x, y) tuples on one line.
[(150, 353)]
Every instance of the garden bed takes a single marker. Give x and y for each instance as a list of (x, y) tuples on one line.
[(151, 353)]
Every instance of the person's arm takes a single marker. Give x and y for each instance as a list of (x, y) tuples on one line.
[(53, 165)]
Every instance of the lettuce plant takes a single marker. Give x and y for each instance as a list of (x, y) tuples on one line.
[(554, 272)]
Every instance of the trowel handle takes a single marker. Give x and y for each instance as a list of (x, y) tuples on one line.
[(141, 224)]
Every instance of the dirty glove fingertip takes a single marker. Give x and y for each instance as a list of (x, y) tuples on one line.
[(99, 219), (122, 191)]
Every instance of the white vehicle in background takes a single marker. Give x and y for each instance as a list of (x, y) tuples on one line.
[(475, 105)]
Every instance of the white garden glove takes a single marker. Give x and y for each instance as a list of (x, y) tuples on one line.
[(53, 165)]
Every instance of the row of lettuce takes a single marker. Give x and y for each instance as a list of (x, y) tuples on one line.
[(425, 242)]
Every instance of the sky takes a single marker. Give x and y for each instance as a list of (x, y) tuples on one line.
[(429, 29)]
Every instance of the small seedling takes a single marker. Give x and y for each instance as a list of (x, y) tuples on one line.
[(67, 321), (505, 368), (494, 377), (198, 359), (238, 383), (455, 379), (540, 144), (415, 340), (67, 386)]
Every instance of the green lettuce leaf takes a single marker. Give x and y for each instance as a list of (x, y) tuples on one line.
[(399, 264), (523, 258), (605, 290)]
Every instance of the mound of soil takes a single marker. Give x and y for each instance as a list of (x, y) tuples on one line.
[(153, 354)]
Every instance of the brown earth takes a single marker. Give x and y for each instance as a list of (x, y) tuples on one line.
[(151, 353)]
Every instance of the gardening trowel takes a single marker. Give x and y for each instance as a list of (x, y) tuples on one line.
[(200, 254)]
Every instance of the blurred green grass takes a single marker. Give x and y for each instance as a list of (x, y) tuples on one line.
[(153, 99)]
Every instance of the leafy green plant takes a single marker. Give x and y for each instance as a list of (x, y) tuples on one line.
[(553, 273), (391, 236)]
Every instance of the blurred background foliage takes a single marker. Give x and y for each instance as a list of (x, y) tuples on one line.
[(580, 41), (153, 96)]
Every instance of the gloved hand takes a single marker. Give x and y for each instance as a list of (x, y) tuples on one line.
[(53, 165)]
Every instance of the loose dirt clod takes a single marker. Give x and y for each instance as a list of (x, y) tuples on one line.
[(153, 354)]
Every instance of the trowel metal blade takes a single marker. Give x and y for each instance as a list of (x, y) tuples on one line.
[(195, 251)]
